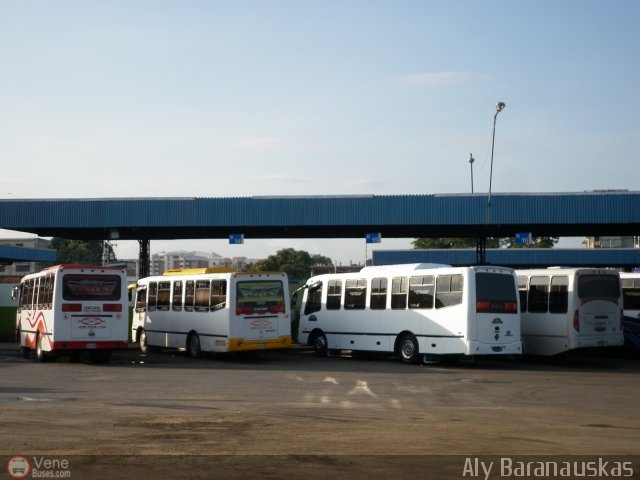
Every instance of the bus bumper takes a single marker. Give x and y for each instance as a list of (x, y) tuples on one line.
[(479, 348), (243, 345), (97, 345)]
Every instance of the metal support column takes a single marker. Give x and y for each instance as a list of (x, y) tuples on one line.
[(481, 250), (144, 258)]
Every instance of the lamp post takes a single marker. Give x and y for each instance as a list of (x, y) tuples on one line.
[(471, 160), (499, 107)]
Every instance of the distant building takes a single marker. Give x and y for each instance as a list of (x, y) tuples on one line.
[(613, 242), (162, 261), (18, 268)]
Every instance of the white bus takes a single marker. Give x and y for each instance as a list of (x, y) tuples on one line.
[(212, 310), (71, 308), (630, 282), (569, 308), (419, 311)]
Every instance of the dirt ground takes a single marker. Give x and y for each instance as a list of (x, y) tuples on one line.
[(295, 416)]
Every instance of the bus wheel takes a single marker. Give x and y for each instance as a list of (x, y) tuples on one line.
[(409, 350), (193, 346), (41, 355), (320, 345)]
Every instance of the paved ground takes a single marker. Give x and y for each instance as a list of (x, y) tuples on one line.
[(292, 415)]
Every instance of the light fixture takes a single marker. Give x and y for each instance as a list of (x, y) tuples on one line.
[(499, 107)]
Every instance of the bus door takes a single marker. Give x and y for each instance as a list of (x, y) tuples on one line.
[(139, 312)]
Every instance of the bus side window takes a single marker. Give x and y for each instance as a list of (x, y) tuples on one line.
[(202, 295), (448, 290), (522, 291), (355, 294), (164, 294), (189, 295), (539, 294), (630, 293), (559, 294), (218, 294), (334, 294), (176, 303), (153, 296), (378, 300), (314, 299), (399, 289), (421, 292)]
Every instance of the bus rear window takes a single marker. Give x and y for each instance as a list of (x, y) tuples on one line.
[(496, 293), (256, 297), (91, 287), (598, 286)]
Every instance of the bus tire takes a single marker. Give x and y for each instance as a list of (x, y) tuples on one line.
[(41, 354), (320, 345), (193, 345), (409, 350)]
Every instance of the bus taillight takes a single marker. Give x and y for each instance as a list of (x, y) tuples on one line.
[(483, 307), (112, 307), (510, 307), (244, 310), (576, 321), (71, 307), (276, 309)]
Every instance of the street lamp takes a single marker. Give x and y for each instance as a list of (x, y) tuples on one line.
[(471, 160), (499, 107)]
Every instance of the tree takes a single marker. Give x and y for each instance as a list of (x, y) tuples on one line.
[(78, 251), (426, 243), (295, 263)]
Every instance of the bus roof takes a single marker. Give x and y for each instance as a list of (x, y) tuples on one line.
[(404, 266), (81, 267), (195, 271)]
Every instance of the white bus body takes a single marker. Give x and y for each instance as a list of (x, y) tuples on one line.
[(413, 311), (73, 308), (569, 308), (631, 305), (209, 310)]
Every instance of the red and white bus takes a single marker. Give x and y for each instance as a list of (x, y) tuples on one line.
[(71, 308)]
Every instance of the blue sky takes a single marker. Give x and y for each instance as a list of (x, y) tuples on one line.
[(240, 98)]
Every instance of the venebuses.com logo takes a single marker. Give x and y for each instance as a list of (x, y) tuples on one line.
[(38, 467), (18, 467)]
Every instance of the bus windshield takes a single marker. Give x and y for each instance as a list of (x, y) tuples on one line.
[(80, 287)]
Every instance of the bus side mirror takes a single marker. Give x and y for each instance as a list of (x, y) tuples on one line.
[(15, 293), (294, 299)]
